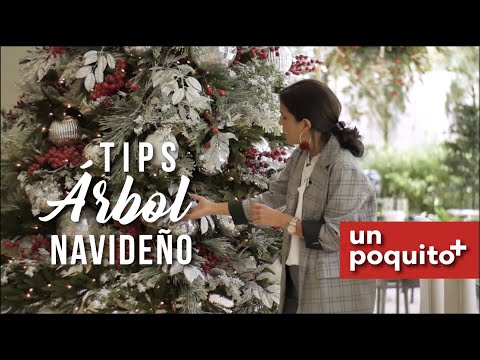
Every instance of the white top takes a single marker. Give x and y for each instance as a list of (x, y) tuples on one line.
[(294, 253)]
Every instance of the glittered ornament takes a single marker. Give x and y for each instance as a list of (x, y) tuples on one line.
[(95, 153), (212, 160), (188, 227), (39, 193), (228, 227), (281, 58), (137, 51), (86, 225), (64, 132), (213, 58), (157, 141), (161, 221)]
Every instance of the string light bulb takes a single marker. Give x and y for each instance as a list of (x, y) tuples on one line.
[(69, 286), (49, 285)]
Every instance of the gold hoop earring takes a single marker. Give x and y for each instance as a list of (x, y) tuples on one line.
[(304, 145)]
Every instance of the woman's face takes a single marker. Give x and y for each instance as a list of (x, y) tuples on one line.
[(291, 127)]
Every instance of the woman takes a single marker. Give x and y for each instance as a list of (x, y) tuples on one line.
[(321, 186)]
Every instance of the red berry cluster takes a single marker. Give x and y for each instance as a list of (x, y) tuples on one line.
[(303, 64), (13, 113), (209, 90), (253, 52), (55, 50), (57, 157), (211, 259), (253, 159), (113, 84), (38, 242)]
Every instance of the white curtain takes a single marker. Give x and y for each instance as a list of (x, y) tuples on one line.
[(452, 296)]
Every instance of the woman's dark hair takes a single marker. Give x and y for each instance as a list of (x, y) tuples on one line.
[(313, 100)]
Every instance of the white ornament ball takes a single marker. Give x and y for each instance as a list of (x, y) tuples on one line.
[(86, 225), (157, 141), (283, 61), (228, 227), (94, 152)]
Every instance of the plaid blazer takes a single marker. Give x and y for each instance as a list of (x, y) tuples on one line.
[(338, 191)]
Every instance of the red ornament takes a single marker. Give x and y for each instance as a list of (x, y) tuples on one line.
[(221, 92)]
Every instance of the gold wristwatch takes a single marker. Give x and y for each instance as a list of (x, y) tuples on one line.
[(292, 226)]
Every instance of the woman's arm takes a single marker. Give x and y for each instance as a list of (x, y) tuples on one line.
[(275, 197), (241, 211)]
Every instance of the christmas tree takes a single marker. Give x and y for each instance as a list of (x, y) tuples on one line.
[(211, 111)]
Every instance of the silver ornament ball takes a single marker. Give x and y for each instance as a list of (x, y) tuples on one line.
[(137, 51), (213, 160), (262, 145), (188, 227), (228, 227), (161, 221), (86, 225), (283, 61), (213, 58), (65, 132)]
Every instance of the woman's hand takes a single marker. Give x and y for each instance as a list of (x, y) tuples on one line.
[(204, 208), (266, 216)]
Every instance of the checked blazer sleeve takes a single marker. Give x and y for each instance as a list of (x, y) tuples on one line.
[(350, 197)]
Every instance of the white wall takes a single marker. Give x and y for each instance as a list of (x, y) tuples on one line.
[(10, 56), (424, 121)]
